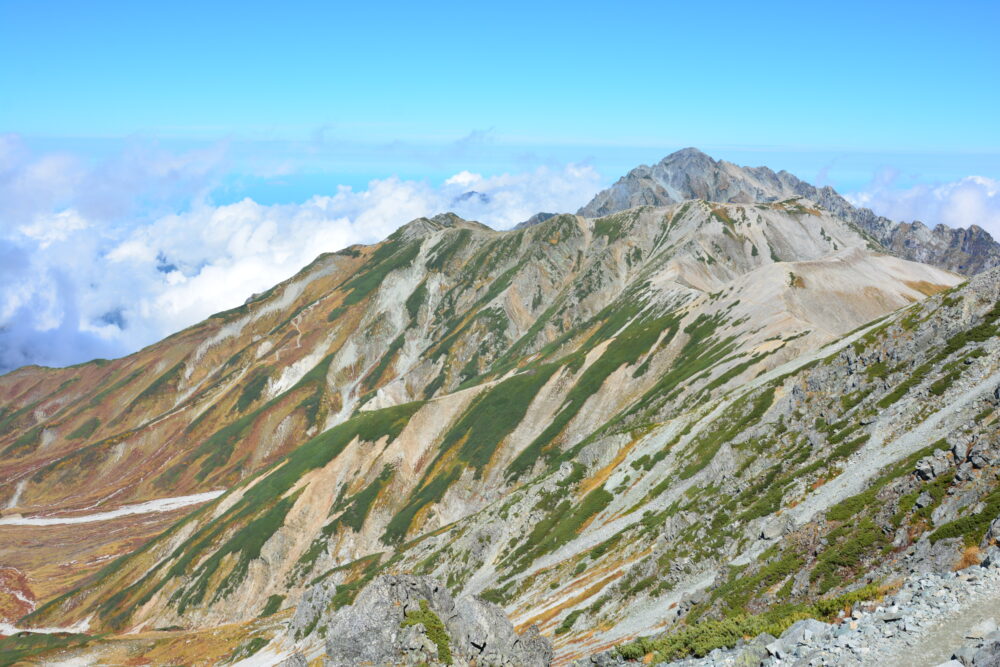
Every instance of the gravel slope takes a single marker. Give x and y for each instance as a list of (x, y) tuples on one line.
[(922, 625)]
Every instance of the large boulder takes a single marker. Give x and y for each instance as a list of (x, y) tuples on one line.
[(805, 632), (988, 654), (755, 652), (410, 620)]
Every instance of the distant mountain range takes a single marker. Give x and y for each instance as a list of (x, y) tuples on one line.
[(691, 174), (712, 404)]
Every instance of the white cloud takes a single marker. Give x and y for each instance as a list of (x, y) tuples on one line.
[(139, 180), (974, 200), (56, 227), (79, 278), (464, 179)]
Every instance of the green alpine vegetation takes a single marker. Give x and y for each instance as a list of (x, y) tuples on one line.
[(620, 423)]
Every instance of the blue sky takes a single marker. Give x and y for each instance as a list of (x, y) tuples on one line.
[(540, 81), (162, 161)]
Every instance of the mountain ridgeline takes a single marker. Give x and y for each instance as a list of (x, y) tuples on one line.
[(690, 174), (707, 398)]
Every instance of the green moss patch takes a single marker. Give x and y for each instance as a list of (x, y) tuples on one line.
[(252, 390), (373, 378), (560, 525), (433, 626), (625, 349), (971, 527), (742, 415), (431, 492), (25, 645), (493, 416), (703, 637)]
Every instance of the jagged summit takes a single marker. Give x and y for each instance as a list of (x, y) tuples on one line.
[(689, 153), (691, 174)]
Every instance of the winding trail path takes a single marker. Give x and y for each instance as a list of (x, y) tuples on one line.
[(936, 643)]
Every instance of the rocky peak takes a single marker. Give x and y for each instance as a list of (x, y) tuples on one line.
[(536, 219), (423, 227), (689, 153), (689, 160), (691, 174)]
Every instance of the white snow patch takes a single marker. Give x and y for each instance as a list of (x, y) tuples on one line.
[(78, 661), (48, 437), (159, 505), (79, 628)]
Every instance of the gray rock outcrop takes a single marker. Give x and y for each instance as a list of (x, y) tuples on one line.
[(410, 620)]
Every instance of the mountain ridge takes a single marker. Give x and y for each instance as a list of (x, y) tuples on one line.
[(603, 425), (691, 174)]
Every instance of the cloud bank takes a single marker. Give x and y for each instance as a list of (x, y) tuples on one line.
[(100, 259), (974, 200)]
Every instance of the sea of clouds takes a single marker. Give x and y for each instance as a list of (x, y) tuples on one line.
[(101, 257), (98, 259)]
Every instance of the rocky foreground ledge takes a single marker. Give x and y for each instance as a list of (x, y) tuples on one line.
[(933, 619), (411, 620), (946, 620)]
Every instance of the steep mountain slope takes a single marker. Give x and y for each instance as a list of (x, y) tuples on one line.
[(877, 460), (439, 303), (455, 401), (839, 468), (690, 174)]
